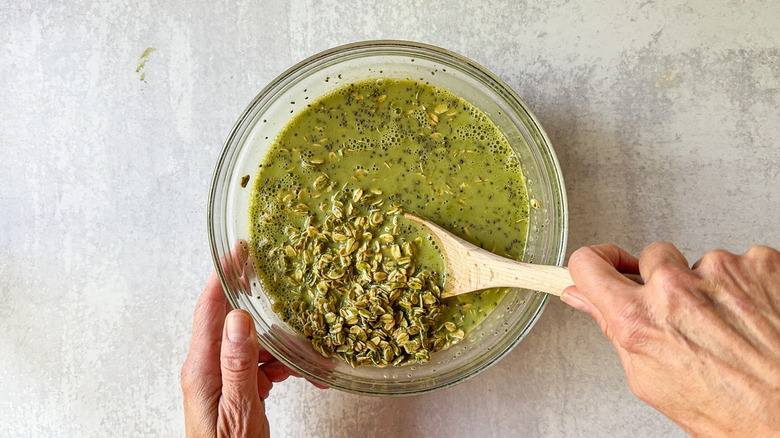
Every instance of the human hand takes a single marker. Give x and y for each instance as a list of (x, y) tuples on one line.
[(224, 388), (700, 344)]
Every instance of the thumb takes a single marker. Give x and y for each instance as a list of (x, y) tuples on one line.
[(239, 363)]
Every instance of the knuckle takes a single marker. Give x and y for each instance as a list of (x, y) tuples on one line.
[(654, 246), (763, 258), (586, 254), (579, 256), (668, 274), (672, 283), (719, 256), (676, 290), (192, 380), (642, 390), (762, 251), (237, 361), (653, 249), (186, 376), (716, 261)]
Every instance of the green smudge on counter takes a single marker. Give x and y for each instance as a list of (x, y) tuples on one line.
[(142, 62)]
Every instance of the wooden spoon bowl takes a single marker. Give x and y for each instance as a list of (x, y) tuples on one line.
[(471, 268)]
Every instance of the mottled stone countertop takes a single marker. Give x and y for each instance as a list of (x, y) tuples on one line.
[(664, 116)]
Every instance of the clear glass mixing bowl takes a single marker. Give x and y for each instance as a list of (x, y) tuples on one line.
[(269, 112)]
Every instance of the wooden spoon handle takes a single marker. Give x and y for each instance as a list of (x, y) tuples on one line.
[(482, 269)]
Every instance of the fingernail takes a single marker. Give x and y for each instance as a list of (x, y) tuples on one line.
[(574, 302), (237, 326)]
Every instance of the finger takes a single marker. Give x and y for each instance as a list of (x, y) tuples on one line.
[(317, 384), (264, 356), (622, 261), (659, 256), (203, 357), (597, 275), (275, 371), (239, 355), (270, 370), (270, 373), (573, 297), (200, 375), (600, 289), (264, 385)]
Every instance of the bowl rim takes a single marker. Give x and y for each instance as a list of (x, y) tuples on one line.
[(509, 94)]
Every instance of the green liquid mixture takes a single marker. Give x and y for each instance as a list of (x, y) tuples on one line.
[(370, 151)]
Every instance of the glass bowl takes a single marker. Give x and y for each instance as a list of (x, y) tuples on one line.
[(271, 110)]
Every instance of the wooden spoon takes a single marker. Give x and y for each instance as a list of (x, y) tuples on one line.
[(471, 268)]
